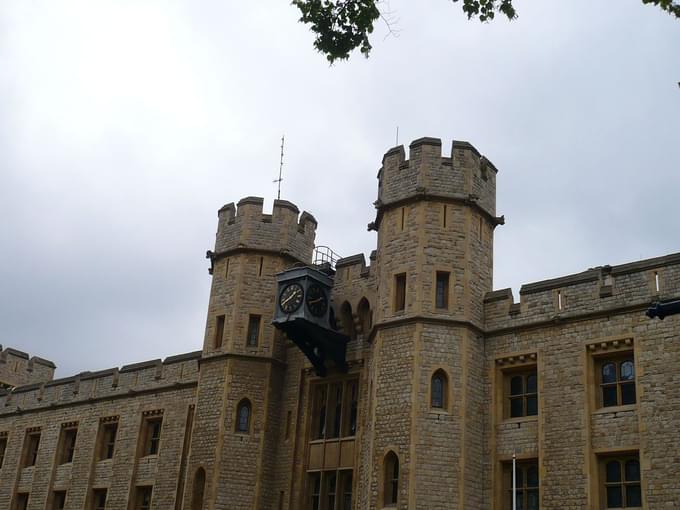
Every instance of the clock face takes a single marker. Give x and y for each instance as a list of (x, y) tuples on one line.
[(291, 298), (317, 302)]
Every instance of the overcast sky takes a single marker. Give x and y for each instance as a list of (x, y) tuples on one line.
[(125, 125)]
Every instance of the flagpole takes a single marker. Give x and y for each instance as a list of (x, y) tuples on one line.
[(514, 481)]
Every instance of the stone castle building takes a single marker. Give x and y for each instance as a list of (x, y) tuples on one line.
[(411, 389)]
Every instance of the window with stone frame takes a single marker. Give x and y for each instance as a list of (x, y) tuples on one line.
[(526, 485), (334, 409), (58, 500), (620, 481), (330, 490), (399, 292), (3, 447), (21, 501), (31, 446), (253, 337), (67, 442), (439, 390), (615, 375), (99, 499), (442, 290), (243, 416), (152, 426), (143, 496), (106, 437), (391, 479), (520, 392)]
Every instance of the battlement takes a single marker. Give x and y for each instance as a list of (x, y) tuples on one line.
[(285, 230), (154, 375), (594, 291), (17, 368), (465, 175)]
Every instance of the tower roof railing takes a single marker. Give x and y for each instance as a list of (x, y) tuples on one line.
[(324, 255)]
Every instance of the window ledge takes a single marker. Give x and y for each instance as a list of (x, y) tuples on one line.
[(520, 419), (616, 409), (438, 412)]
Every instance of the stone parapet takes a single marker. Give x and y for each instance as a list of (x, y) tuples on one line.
[(18, 368), (595, 291), (86, 387), (246, 227)]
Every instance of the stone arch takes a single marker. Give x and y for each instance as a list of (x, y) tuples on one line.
[(390, 492), (365, 316), (439, 390), (347, 320), (244, 413)]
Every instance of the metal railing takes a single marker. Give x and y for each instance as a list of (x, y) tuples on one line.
[(324, 255)]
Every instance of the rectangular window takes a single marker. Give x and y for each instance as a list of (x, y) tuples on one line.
[(334, 412), (21, 501), (58, 500), (620, 481), (143, 498), (442, 290), (521, 393), (330, 490), (526, 484), (253, 330), (399, 292), (346, 490), (31, 446), (107, 439), (315, 491), (67, 444), (151, 434), (3, 449), (219, 331), (99, 499), (616, 379)]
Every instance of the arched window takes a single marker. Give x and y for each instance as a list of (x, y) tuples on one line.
[(198, 490), (347, 320), (243, 416), (391, 484), (438, 390), (365, 318)]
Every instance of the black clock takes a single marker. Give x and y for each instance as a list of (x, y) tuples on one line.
[(317, 302), (291, 297)]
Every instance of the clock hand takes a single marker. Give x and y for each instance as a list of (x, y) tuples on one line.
[(314, 301), (287, 299)]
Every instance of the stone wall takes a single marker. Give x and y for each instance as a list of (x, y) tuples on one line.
[(17, 368)]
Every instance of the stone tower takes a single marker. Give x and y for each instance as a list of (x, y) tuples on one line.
[(242, 364), (435, 223)]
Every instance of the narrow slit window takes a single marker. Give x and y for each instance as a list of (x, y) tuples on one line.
[(219, 331), (3, 449), (442, 290), (253, 330), (403, 217), (656, 281), (226, 269), (559, 300), (288, 420), (243, 412), (400, 292), (259, 273), (444, 214)]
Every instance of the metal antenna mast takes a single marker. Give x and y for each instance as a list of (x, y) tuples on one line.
[(280, 169)]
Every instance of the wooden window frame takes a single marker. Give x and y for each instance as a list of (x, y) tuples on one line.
[(617, 358), (523, 487), (151, 436), (96, 498), (106, 441), (621, 458), (319, 491), (347, 408), (140, 493), (67, 443), (29, 455), (524, 372)]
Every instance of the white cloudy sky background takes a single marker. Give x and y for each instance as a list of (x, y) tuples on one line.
[(125, 125)]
